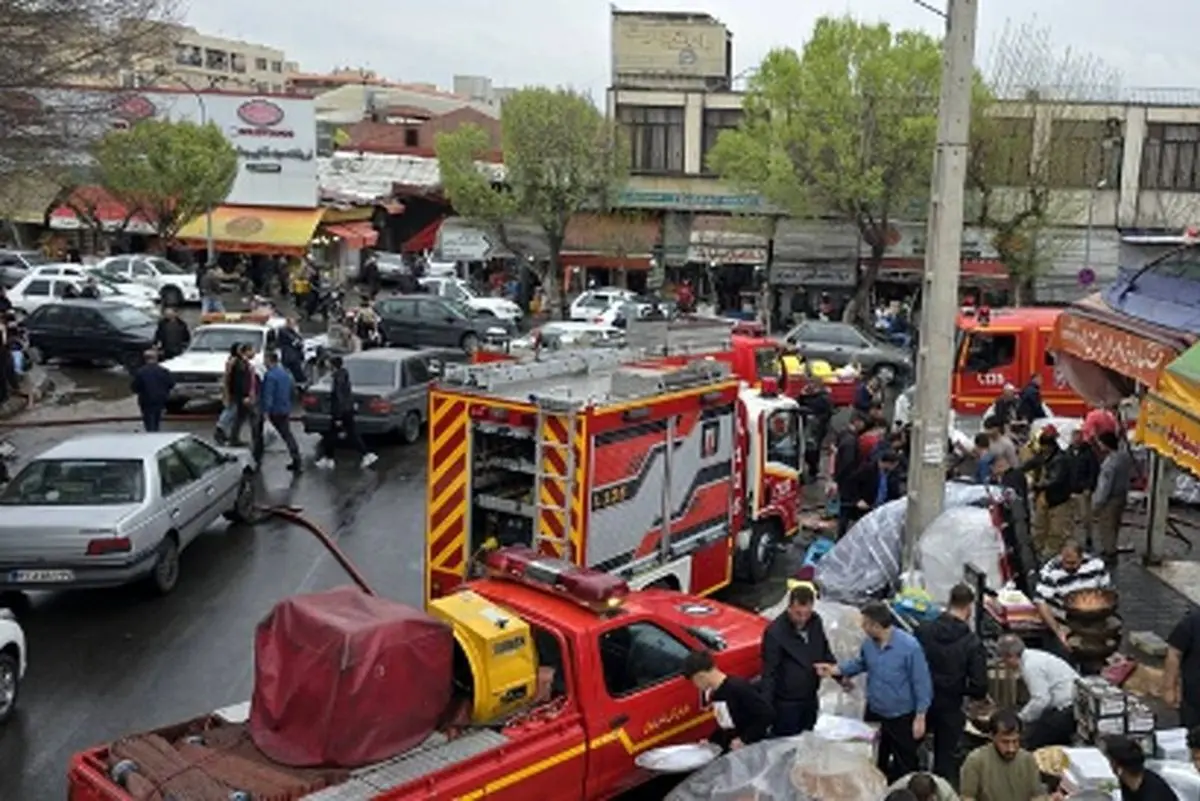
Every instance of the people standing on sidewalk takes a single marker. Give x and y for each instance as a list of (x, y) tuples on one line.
[(1054, 513), (1112, 492), (1049, 716), (1181, 676), (1085, 471), (152, 385), (1002, 770), (210, 289), (341, 419), (291, 351), (792, 647), (275, 405), (958, 668), (172, 336), (1071, 570), (899, 688)]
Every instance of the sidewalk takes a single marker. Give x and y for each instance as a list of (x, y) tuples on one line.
[(1155, 598)]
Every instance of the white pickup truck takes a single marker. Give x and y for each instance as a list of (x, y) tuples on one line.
[(460, 290)]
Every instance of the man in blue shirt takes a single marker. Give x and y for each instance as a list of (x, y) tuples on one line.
[(275, 400), (899, 689)]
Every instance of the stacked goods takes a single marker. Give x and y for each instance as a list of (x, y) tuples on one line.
[(1087, 771), (1014, 610), (1171, 745), (1102, 709)]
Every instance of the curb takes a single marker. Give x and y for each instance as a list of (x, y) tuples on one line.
[(35, 385)]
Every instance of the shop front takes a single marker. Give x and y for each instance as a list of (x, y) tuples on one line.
[(91, 219), (728, 255), (343, 236), (1169, 420), (250, 230), (812, 259), (609, 250)]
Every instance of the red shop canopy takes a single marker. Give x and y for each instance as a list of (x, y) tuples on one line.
[(357, 235), (425, 239)]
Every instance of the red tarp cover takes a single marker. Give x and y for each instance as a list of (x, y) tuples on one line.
[(344, 679)]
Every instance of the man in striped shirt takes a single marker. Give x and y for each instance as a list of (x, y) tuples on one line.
[(1071, 570)]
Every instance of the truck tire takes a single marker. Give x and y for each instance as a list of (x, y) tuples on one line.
[(760, 556), (10, 685)]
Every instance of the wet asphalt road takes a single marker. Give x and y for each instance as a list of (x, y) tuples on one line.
[(106, 663)]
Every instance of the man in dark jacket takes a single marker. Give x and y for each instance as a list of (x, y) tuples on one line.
[(152, 384), (1084, 466), (743, 715), (793, 644), (291, 351), (958, 667), (845, 466), (877, 483), (1054, 518), (1029, 407), (341, 419), (243, 394), (172, 336)]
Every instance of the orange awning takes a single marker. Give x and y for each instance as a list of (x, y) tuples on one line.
[(357, 235), (250, 229)]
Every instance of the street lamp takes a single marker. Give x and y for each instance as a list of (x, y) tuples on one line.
[(1087, 239), (210, 246)]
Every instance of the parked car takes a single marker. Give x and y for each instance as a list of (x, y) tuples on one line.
[(13, 658), (142, 295), (458, 289), (16, 264), (175, 285), (34, 291), (391, 267), (391, 389), (592, 303), (568, 334), (842, 343), (426, 321), (91, 331), (103, 510), (621, 311)]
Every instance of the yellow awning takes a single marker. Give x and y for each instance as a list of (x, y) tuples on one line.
[(1166, 424), (248, 229)]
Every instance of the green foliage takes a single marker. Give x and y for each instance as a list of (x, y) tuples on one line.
[(560, 157), (844, 129), (169, 172)]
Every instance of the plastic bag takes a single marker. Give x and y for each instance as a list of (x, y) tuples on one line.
[(958, 537), (836, 771), (759, 772)]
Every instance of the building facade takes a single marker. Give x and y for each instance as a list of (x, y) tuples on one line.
[(203, 61)]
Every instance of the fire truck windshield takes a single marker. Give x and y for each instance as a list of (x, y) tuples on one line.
[(783, 438), (767, 363)]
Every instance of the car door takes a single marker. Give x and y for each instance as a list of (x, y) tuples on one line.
[(143, 273), (438, 325), (50, 329), (398, 317), (93, 338), (414, 387), (121, 268), (218, 478), (35, 293), (181, 495)]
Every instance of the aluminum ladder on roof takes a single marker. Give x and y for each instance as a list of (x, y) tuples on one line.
[(555, 475)]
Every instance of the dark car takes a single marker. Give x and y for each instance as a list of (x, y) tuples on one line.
[(391, 391), (415, 321), (91, 331), (16, 264), (841, 344)]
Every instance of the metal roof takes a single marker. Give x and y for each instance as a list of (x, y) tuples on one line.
[(367, 177)]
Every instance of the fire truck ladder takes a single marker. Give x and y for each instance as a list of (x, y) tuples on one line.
[(554, 482)]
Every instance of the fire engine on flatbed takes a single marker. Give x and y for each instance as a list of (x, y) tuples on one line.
[(664, 472)]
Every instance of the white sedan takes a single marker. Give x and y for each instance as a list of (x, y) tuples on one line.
[(12, 663), (35, 291), (458, 289), (175, 285)]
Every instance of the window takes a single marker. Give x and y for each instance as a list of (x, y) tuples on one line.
[(987, 352), (173, 472), (216, 60), (550, 658), (405, 309), (1005, 152), (655, 137), (716, 121), (38, 289), (211, 339), (1170, 157), (416, 372), (124, 318), (638, 656), (188, 56), (52, 315), (432, 310), (164, 267), (141, 270), (783, 438), (411, 137), (1084, 153), (237, 62), (371, 373), (76, 482), (199, 457), (833, 335), (276, 66), (118, 267), (1181, 263), (260, 65)]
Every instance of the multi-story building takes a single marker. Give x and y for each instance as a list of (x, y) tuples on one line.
[(202, 61), (480, 89)]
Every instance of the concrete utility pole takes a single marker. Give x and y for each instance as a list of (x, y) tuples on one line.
[(939, 298)]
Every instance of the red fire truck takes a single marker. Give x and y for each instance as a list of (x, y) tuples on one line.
[(675, 475)]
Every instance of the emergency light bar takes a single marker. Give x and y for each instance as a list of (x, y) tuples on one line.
[(598, 591), (236, 317)]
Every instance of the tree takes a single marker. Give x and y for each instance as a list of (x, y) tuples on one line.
[(1027, 178), (560, 157), (844, 129), (49, 44), (168, 172)]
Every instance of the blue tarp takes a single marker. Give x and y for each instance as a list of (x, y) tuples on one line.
[(1170, 301)]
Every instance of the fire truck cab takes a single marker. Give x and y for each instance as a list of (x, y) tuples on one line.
[(663, 474)]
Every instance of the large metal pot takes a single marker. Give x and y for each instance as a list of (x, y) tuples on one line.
[(1090, 605)]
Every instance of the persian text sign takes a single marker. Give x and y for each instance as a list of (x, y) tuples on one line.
[(1120, 351), (1171, 431)]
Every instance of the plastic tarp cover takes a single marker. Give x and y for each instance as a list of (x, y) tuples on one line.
[(344, 679), (866, 561), (759, 772), (959, 536)]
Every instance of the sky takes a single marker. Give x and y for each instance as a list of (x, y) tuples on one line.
[(1150, 43)]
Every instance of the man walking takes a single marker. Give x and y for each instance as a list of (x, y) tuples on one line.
[(899, 688), (152, 384), (1085, 470), (243, 394), (341, 419), (1112, 492), (958, 668), (172, 336), (275, 404), (291, 351), (792, 647)]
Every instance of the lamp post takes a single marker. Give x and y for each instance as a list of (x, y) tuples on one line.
[(209, 245), (1087, 240)]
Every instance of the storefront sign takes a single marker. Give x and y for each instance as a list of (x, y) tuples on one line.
[(1120, 351), (823, 275), (717, 255), (688, 201), (1171, 431)]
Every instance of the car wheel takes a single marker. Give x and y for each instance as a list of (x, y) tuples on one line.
[(469, 342), (243, 504), (410, 432), (886, 374), (760, 556), (171, 296), (10, 685), (165, 575)]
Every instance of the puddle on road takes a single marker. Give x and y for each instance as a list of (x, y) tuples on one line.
[(72, 384)]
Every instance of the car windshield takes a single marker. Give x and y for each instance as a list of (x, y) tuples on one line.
[(463, 291), (222, 340), (33, 258), (76, 482), (371, 372), (167, 268), (592, 301), (123, 318)]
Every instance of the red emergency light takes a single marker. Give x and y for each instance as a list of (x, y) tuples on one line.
[(770, 387), (591, 588)]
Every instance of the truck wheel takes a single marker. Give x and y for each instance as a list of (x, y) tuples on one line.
[(165, 575), (760, 556), (469, 343), (410, 431), (10, 685)]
